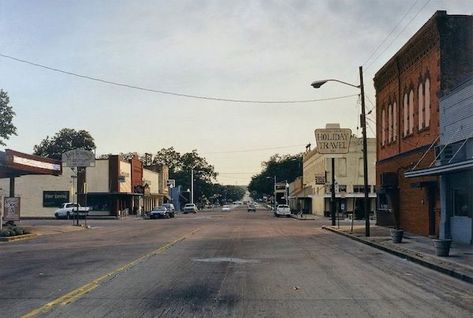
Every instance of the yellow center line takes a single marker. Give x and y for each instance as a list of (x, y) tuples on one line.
[(84, 289)]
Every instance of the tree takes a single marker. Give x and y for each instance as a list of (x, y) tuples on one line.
[(64, 140), (285, 168), (6, 118), (180, 167)]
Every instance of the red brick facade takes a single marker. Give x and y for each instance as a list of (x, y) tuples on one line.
[(428, 65)]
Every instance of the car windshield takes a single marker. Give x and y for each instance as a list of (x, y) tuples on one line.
[(283, 206)]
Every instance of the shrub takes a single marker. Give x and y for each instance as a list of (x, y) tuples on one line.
[(4, 233)]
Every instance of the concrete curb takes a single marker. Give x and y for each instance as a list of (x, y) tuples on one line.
[(454, 270), (18, 238), (294, 216)]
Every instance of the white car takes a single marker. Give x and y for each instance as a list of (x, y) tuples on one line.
[(282, 210), (190, 208), (225, 208)]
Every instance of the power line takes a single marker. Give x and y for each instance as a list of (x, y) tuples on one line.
[(231, 100), (256, 149), (392, 31), (397, 36)]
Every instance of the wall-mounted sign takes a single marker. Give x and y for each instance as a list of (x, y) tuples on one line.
[(52, 199), (11, 210), (320, 180), (78, 158), (333, 140), (171, 183)]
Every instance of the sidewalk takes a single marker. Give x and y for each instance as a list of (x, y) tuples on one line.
[(418, 249), (305, 216)]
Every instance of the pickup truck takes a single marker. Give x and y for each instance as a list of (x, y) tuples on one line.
[(282, 209), (69, 210)]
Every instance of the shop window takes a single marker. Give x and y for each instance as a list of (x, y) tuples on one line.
[(460, 203), (342, 188), (358, 188)]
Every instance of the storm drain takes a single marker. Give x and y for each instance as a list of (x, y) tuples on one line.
[(225, 259)]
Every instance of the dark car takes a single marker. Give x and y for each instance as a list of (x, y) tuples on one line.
[(251, 208), (159, 213)]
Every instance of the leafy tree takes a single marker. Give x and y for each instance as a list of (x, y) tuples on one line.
[(227, 193), (64, 140), (180, 167), (169, 157), (284, 167), (6, 117)]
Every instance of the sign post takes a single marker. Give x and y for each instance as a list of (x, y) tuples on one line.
[(80, 159), (333, 140)]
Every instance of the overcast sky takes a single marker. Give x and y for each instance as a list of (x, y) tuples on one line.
[(250, 50)]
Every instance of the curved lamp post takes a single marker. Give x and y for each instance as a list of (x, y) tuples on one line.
[(318, 84)]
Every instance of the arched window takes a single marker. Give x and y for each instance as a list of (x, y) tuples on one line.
[(421, 110), (383, 127), (390, 123), (411, 111), (406, 115), (394, 121), (427, 102)]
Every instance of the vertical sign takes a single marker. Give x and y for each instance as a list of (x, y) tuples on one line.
[(11, 209)]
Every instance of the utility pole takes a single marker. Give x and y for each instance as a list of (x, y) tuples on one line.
[(365, 155), (192, 185), (332, 199)]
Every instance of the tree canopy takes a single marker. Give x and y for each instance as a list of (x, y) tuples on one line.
[(6, 118), (284, 167), (64, 140)]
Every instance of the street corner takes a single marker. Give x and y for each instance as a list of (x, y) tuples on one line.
[(18, 238), (40, 230)]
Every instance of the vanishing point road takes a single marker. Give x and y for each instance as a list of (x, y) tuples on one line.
[(217, 264)]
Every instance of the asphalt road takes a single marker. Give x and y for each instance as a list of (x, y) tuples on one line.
[(233, 264)]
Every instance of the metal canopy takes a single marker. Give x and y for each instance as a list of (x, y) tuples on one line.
[(16, 164), (440, 170)]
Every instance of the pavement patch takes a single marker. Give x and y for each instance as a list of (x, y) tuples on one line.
[(225, 260)]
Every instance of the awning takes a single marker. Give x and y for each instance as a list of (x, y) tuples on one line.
[(440, 170)]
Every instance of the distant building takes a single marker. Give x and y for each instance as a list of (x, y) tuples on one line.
[(317, 175), (408, 89)]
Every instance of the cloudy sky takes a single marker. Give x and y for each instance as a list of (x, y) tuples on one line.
[(246, 50)]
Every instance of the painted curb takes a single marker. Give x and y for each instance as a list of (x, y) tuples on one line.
[(456, 273), (18, 238)]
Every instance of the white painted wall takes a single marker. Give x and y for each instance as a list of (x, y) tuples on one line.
[(98, 177), (30, 190)]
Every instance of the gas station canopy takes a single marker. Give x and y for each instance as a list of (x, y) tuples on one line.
[(16, 164)]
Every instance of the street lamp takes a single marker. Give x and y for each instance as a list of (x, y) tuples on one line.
[(318, 84)]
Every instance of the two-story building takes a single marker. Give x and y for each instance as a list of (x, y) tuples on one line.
[(349, 186), (408, 88)]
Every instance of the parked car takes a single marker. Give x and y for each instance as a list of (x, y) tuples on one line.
[(190, 208), (69, 210), (159, 213), (282, 210), (226, 208), (170, 208), (251, 208)]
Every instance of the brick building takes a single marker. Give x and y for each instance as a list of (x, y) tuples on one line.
[(408, 89)]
